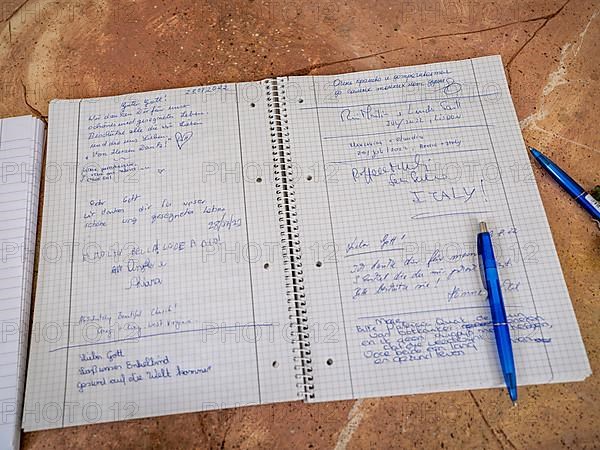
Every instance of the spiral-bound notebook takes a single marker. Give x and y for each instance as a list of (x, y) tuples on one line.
[(294, 238)]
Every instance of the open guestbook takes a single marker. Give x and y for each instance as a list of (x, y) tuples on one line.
[(301, 237)]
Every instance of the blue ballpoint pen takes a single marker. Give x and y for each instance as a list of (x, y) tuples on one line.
[(581, 196), (489, 274)]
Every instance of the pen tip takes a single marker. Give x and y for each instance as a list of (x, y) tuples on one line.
[(534, 152), (514, 403), (483, 227)]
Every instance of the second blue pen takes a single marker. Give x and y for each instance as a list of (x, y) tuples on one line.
[(581, 196)]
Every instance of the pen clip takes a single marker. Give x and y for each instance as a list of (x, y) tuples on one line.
[(480, 250), (482, 270)]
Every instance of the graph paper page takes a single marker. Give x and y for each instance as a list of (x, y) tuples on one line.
[(396, 169), (161, 248), (21, 144)]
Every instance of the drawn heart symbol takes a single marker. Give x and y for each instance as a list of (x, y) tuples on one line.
[(183, 138), (161, 171)]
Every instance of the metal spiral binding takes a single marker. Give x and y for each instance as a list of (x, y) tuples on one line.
[(290, 239)]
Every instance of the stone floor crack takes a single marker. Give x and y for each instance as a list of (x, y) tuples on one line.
[(493, 431), (36, 112), (507, 439), (308, 69), (546, 18), (227, 428), (497, 27), (14, 13)]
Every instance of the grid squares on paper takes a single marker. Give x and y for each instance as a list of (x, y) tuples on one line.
[(352, 206), (159, 218)]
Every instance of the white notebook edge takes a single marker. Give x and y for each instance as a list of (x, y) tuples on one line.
[(36, 137)]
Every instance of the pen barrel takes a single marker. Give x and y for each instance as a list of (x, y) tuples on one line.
[(581, 196), (501, 327), (560, 176), (489, 273), (590, 204), (505, 354), (495, 297)]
